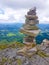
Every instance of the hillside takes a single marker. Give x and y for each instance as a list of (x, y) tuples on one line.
[(11, 32)]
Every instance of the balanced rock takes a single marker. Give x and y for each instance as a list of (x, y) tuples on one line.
[(31, 17)]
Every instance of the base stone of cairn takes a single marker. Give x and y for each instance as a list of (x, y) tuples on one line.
[(30, 29)]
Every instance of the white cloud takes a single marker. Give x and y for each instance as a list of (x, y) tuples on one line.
[(15, 10), (11, 16)]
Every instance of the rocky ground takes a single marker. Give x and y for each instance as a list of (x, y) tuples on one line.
[(9, 56)]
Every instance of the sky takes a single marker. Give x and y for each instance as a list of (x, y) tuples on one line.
[(14, 11)]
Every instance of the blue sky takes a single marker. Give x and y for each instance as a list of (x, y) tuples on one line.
[(12, 11)]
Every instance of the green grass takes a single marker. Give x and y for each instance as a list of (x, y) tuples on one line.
[(11, 44), (11, 34)]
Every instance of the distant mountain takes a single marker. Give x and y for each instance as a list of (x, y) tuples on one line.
[(5, 28), (10, 26), (43, 27), (10, 32), (17, 26)]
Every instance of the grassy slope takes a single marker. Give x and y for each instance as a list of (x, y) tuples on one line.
[(12, 45)]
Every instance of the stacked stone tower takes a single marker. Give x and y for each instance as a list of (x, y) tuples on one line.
[(30, 29)]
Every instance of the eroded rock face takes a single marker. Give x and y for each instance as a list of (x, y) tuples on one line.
[(9, 56)]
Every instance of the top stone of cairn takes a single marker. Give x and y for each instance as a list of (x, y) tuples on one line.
[(32, 11), (31, 14)]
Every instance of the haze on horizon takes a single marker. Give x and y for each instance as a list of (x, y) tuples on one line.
[(13, 11)]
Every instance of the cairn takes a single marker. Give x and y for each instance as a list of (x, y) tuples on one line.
[(30, 29)]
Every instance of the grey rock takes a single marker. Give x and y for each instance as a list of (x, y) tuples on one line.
[(11, 54)]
